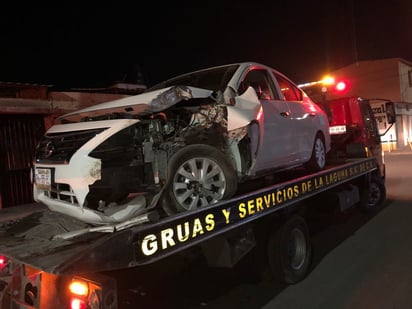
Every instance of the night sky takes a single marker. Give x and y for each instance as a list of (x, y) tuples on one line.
[(71, 47)]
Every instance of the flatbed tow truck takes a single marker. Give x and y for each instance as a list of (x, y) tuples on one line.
[(43, 252), (48, 260)]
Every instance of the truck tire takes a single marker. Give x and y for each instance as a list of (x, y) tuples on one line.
[(289, 250), (199, 175), (317, 161), (373, 196)]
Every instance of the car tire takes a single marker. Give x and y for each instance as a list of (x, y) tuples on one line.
[(199, 175), (289, 251), (373, 196), (317, 160)]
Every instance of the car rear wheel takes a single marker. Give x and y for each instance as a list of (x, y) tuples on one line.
[(199, 175), (317, 160)]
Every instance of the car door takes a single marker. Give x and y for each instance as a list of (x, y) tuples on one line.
[(303, 116), (275, 126)]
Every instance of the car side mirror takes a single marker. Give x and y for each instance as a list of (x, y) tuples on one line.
[(390, 112)]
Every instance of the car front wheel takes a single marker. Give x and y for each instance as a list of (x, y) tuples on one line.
[(199, 175)]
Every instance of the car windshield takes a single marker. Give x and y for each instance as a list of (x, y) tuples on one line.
[(212, 79)]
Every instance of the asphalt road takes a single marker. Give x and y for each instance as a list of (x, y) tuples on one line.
[(360, 261), (372, 267)]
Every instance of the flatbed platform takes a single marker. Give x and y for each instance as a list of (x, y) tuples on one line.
[(58, 244)]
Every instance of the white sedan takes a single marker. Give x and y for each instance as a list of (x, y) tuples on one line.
[(183, 144)]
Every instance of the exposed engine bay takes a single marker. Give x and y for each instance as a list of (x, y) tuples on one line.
[(135, 159)]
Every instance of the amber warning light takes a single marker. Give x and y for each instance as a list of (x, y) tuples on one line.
[(329, 83), (79, 290)]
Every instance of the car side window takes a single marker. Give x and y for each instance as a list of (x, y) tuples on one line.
[(289, 90), (260, 81)]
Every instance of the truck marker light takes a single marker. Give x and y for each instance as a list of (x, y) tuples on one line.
[(80, 288), (77, 304), (2, 261)]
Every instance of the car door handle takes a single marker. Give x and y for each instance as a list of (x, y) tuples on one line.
[(285, 114)]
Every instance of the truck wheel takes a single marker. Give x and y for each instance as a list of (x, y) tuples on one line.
[(373, 196), (289, 251), (199, 175), (317, 160)]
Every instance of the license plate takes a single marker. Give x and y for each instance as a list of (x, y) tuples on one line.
[(42, 178)]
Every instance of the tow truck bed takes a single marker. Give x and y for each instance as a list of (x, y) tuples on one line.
[(56, 244)]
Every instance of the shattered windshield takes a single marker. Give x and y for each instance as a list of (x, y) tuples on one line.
[(212, 79)]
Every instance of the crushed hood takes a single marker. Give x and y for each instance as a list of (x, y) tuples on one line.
[(142, 104)]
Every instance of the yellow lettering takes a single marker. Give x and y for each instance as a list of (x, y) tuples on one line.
[(210, 222), (362, 167), (279, 197), (259, 202), (329, 179), (304, 187), (242, 210), (267, 200), (197, 228), (289, 193), (250, 207), (180, 236), (318, 182), (296, 190), (167, 238), (226, 213), (149, 244)]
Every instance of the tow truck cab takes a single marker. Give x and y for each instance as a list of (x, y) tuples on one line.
[(354, 129)]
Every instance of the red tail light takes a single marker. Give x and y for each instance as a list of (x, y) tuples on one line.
[(3, 262), (77, 303), (341, 86)]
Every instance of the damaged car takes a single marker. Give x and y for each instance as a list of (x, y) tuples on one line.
[(182, 144)]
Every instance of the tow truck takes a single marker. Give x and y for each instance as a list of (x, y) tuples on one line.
[(48, 260)]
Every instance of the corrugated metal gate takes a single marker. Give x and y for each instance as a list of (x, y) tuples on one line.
[(19, 135)]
